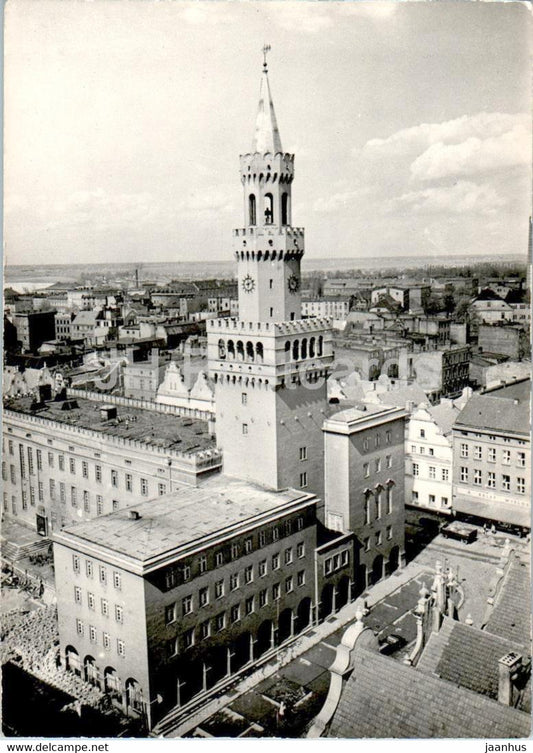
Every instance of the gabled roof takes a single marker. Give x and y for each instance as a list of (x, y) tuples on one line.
[(387, 699), (505, 409), (510, 616), (487, 294)]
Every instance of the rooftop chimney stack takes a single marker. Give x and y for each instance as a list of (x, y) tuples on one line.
[(509, 670)]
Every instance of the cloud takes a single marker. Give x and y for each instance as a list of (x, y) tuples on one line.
[(416, 139), (339, 201), (101, 210), (313, 17), (458, 199), (474, 155)]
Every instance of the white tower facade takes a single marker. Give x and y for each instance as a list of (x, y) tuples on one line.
[(270, 366)]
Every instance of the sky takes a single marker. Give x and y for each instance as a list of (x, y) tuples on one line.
[(124, 121)]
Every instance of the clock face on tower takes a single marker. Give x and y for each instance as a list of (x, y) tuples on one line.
[(293, 283), (248, 284)]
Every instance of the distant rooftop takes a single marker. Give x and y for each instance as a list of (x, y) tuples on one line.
[(183, 435), (181, 518)]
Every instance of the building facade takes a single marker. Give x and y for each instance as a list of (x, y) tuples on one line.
[(492, 456), (364, 486)]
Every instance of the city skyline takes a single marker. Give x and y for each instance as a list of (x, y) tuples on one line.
[(123, 125)]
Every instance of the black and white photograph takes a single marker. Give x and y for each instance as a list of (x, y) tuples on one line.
[(266, 460)]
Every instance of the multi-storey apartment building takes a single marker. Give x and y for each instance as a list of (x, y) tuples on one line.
[(364, 486), (429, 456), (492, 456), (71, 460), (336, 308), (159, 603)]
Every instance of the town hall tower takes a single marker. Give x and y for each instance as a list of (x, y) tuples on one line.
[(270, 366)]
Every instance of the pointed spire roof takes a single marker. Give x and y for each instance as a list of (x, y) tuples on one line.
[(266, 135)]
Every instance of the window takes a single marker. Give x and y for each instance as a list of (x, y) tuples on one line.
[(99, 504), (521, 459), (86, 501), (303, 453), (464, 474), (39, 460), (24, 499), (478, 452), (345, 557), (422, 433), (234, 581), (75, 563), (491, 454), (432, 472), (249, 605), (445, 474), (388, 461), (186, 605), (300, 578), (275, 534), (144, 487), (161, 488), (477, 477), (366, 544), (303, 480), (506, 482), (289, 584), (377, 464), (416, 469), (234, 551), (205, 630), (299, 523), (10, 447), (106, 640), (117, 581), (186, 572), (413, 448), (275, 561), (521, 485), (367, 510), (92, 633), (89, 568), (431, 451), (97, 473), (170, 613), (248, 545), (431, 499), (129, 482), (262, 568), (119, 613), (377, 440), (13, 474), (275, 591), (365, 444), (77, 594), (121, 648), (90, 600), (32, 496), (389, 532), (262, 538), (79, 627), (491, 480), (104, 607), (220, 621), (300, 550), (244, 398), (388, 437), (378, 538), (328, 566), (85, 469), (202, 563), (377, 502), (263, 597), (288, 556), (203, 597), (72, 465), (219, 559), (245, 428), (464, 450), (366, 470), (422, 450), (389, 500), (219, 589)]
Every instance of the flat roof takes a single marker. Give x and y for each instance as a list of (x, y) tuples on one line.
[(181, 519), (354, 418), (152, 428)]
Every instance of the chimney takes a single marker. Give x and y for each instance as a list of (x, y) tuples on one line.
[(509, 670), (134, 515)]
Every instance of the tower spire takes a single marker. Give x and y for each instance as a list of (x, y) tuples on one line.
[(266, 134)]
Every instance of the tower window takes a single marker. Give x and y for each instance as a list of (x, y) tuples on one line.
[(284, 209), (271, 284), (259, 351), (245, 428), (244, 398), (269, 209), (271, 311), (251, 210)]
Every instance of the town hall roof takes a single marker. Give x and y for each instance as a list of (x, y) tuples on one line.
[(266, 134)]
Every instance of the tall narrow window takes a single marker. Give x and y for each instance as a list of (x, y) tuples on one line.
[(284, 209), (251, 209), (269, 209)]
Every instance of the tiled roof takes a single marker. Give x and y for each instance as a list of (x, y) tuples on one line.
[(510, 617), (501, 410), (386, 699)]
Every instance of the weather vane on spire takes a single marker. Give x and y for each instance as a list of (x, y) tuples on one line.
[(266, 50)]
